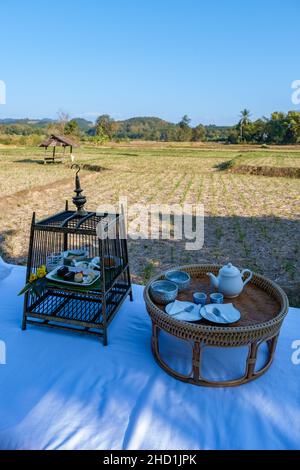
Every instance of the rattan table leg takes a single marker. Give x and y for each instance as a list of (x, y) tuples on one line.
[(154, 340), (156, 353), (272, 343), (251, 360), (196, 360)]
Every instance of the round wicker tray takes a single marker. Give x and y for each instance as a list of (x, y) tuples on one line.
[(263, 306)]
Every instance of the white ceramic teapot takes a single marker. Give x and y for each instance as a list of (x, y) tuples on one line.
[(230, 280)]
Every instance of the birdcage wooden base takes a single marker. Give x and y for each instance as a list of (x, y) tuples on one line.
[(263, 306), (62, 317)]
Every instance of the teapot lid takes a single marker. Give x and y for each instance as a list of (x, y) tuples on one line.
[(229, 270)]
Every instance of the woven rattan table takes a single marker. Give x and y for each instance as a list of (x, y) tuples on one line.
[(263, 306)]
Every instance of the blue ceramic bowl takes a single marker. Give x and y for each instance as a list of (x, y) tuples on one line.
[(217, 298), (200, 298), (163, 292), (181, 278)]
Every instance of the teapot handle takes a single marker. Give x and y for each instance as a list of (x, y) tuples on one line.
[(249, 277)]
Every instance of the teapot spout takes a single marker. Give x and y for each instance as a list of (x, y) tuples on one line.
[(214, 280)]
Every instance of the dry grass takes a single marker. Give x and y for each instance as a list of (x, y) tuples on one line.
[(285, 164), (270, 158), (253, 221)]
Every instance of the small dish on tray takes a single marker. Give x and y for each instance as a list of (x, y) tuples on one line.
[(89, 276), (220, 313), (185, 311)]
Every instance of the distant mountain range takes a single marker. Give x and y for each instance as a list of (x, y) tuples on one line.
[(25, 121), (83, 123), (142, 127)]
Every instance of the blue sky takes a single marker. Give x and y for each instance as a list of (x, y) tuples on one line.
[(208, 59)]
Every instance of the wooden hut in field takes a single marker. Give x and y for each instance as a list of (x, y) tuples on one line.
[(55, 140)]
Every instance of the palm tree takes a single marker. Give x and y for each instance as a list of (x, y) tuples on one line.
[(245, 119)]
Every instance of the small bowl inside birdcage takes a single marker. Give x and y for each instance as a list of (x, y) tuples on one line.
[(73, 256), (53, 260), (110, 262)]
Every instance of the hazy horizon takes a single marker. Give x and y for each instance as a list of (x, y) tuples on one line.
[(93, 119)]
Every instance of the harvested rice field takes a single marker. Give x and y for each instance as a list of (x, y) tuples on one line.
[(252, 220)]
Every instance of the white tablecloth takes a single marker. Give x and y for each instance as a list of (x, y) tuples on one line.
[(60, 390)]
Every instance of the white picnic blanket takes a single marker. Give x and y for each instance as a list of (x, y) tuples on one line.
[(64, 391)]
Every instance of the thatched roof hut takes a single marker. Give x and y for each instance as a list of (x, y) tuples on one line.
[(55, 140)]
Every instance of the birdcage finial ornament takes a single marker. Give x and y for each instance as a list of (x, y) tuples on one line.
[(79, 200)]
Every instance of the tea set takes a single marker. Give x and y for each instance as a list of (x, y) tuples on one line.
[(229, 283)]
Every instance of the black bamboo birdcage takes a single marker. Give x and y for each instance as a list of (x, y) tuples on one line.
[(101, 236)]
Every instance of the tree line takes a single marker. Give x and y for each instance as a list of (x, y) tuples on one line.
[(281, 128)]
